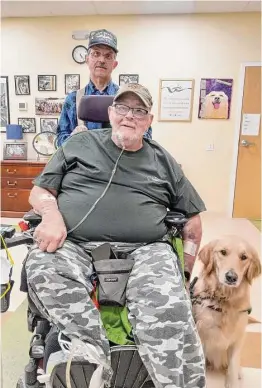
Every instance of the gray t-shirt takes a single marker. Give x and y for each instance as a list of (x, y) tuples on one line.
[(145, 184)]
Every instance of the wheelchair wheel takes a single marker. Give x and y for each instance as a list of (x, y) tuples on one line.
[(22, 384), (129, 370)]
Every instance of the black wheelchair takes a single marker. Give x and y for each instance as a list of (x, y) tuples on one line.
[(127, 366), (128, 369)]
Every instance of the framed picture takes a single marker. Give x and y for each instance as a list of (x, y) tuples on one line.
[(28, 125), (22, 85), (128, 79), (46, 83), (176, 99), (15, 151), (5, 109), (48, 106), (215, 98), (72, 82), (48, 124)]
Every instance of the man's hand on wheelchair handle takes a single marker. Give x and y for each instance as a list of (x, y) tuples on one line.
[(51, 233), (79, 128)]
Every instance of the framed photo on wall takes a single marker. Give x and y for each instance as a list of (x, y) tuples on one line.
[(215, 98), (5, 109), (48, 106), (48, 124), (28, 124), (15, 151), (22, 85), (72, 83), (176, 99), (128, 79), (46, 83)]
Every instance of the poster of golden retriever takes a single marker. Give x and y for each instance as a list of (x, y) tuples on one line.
[(215, 98)]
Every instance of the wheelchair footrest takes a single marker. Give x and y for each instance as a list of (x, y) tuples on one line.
[(80, 374), (128, 371)]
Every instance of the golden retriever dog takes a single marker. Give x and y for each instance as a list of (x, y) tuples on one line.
[(215, 106), (221, 301)]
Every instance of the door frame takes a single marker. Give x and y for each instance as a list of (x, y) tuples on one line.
[(240, 95)]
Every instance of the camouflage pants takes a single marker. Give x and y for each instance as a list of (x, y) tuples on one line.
[(159, 309)]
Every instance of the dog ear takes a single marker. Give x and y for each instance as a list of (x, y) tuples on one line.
[(254, 268), (206, 256)]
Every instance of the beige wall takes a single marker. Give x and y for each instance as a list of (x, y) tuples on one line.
[(186, 46)]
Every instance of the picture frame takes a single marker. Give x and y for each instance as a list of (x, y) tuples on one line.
[(22, 85), (72, 83), (4, 103), (125, 79), (176, 99), (48, 106), (28, 124), (48, 124), (46, 83), (215, 98), (15, 151)]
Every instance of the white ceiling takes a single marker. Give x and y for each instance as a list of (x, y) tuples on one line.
[(22, 8)]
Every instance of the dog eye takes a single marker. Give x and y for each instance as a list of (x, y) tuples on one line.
[(243, 257), (224, 252)]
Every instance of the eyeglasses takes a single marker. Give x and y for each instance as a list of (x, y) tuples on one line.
[(108, 57), (124, 109)]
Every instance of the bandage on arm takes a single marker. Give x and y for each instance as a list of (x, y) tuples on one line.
[(43, 201), (190, 248), (192, 234)]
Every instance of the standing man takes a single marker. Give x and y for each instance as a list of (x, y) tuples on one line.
[(101, 61)]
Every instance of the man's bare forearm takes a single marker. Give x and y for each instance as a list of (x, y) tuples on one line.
[(43, 201), (192, 234)]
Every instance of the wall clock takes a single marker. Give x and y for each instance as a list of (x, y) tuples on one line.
[(79, 54), (45, 143)]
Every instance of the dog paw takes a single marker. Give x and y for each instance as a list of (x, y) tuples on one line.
[(231, 384), (240, 374)]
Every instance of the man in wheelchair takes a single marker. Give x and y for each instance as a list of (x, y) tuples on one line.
[(104, 192)]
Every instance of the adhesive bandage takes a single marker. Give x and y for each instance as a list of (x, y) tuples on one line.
[(190, 248), (47, 197)]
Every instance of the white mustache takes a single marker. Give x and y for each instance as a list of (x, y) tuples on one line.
[(128, 125)]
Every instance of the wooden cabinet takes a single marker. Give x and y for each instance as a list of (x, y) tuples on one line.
[(16, 183)]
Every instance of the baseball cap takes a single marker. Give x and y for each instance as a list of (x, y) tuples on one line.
[(141, 91), (104, 37)]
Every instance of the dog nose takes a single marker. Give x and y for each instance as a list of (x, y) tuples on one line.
[(231, 277)]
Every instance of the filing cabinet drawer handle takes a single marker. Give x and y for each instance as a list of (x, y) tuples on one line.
[(11, 195), (11, 184), (10, 172)]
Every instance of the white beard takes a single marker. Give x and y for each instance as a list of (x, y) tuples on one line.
[(124, 141)]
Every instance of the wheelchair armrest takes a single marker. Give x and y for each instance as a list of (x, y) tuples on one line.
[(175, 219), (32, 218)]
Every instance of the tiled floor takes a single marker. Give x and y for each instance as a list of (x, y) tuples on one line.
[(15, 337)]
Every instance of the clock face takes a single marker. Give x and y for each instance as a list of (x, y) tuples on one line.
[(44, 143), (79, 54)]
